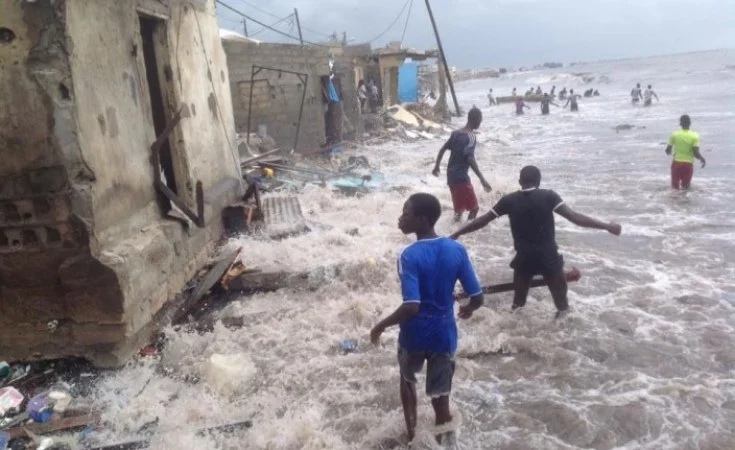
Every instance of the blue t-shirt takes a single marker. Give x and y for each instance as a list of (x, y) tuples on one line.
[(429, 269), (462, 146)]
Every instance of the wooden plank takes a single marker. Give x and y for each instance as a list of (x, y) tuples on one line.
[(145, 442), (156, 146), (171, 195), (571, 275), (58, 424), (262, 156), (200, 204), (209, 280)]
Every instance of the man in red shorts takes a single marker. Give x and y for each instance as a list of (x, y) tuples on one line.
[(685, 144), (461, 145)]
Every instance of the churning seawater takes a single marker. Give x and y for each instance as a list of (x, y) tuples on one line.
[(644, 362)]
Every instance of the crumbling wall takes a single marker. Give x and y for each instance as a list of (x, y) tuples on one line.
[(45, 208), (277, 96), (83, 241)]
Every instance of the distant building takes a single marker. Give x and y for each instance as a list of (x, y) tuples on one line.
[(268, 82)]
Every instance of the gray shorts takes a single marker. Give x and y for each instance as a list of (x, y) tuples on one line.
[(439, 370)]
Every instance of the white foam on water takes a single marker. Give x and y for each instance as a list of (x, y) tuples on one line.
[(644, 361)]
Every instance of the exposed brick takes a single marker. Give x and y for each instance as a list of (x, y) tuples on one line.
[(32, 269), (31, 304), (95, 334)]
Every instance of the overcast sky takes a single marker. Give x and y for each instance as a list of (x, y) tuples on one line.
[(500, 33)]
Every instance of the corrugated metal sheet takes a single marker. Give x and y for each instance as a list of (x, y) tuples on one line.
[(283, 217)]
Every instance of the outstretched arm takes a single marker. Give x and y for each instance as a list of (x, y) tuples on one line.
[(477, 224), (473, 164), (584, 221)]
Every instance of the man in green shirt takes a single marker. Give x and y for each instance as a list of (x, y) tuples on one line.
[(685, 146)]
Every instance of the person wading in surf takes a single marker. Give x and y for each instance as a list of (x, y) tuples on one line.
[(572, 100), (545, 102), (428, 270), (461, 144), (685, 145), (531, 211)]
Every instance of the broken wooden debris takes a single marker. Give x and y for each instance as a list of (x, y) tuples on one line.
[(237, 269), (171, 195), (145, 442), (255, 159), (571, 276), (156, 146), (57, 423), (238, 218), (268, 281), (210, 279)]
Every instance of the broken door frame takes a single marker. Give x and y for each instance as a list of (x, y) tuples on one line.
[(303, 77)]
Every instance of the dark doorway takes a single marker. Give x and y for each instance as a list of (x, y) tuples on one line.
[(149, 29)]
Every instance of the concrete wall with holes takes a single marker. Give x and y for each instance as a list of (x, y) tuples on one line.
[(277, 96), (83, 238)]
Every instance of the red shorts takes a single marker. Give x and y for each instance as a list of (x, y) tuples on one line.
[(681, 174), (463, 196)]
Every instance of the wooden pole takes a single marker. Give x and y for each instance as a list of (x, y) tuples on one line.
[(571, 276), (443, 57), (298, 25)]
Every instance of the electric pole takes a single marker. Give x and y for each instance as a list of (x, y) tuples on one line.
[(444, 58), (298, 25), (245, 27)]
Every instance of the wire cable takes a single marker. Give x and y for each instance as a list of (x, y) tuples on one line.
[(405, 27), (266, 25), (257, 8), (271, 25), (392, 24)]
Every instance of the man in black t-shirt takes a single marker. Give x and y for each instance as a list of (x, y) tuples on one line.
[(531, 212)]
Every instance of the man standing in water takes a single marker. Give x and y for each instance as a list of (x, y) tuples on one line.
[(531, 211), (572, 100), (545, 102), (685, 144), (491, 97), (520, 104), (461, 144), (648, 96), (429, 269), (635, 94)]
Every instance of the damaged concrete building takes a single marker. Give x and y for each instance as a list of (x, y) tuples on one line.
[(284, 90), (91, 247)]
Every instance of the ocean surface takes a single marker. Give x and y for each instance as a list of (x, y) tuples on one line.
[(646, 360)]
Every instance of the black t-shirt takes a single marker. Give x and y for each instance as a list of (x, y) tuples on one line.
[(531, 215)]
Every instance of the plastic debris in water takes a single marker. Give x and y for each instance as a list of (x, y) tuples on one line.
[(348, 345), (4, 371), (4, 440), (10, 401)]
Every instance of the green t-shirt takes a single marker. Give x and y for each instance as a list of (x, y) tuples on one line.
[(683, 143)]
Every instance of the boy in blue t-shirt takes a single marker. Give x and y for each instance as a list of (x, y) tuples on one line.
[(428, 269)]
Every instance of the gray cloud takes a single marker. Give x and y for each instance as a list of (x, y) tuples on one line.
[(497, 33)]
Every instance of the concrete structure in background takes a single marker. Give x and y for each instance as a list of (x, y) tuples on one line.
[(88, 250), (390, 58), (277, 94)]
